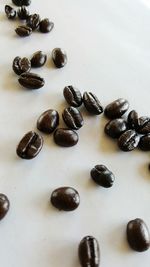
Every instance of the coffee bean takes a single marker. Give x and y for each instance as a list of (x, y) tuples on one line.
[(116, 109), (59, 57), (138, 235), (143, 125), (73, 96), (4, 205), (92, 104), (21, 65), (33, 21), (23, 13), (30, 145), (133, 120), (128, 140), (31, 80), (46, 26), (21, 2), (10, 12), (65, 137), (115, 128), (65, 198), (144, 143), (38, 59), (102, 176), (89, 252), (23, 31), (73, 118), (48, 121)]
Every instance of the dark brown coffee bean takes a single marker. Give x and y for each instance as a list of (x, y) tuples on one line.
[(23, 31), (46, 26), (89, 252), (23, 13), (102, 176), (22, 2), (59, 57), (48, 121), (143, 125), (33, 21), (116, 109), (10, 12), (65, 137), (21, 65), (38, 59), (73, 96), (73, 118), (128, 140), (133, 120), (30, 145), (138, 235), (31, 80), (4, 205), (144, 143), (92, 104), (115, 128)]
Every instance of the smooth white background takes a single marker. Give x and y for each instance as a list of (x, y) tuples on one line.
[(108, 48)]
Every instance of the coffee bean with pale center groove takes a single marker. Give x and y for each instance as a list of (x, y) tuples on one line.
[(89, 252), (73, 96), (23, 31), (117, 108), (31, 80), (92, 103), (65, 137), (143, 125), (73, 118), (128, 140), (33, 21), (48, 121)]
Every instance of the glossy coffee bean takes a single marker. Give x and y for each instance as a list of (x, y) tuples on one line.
[(92, 104), (144, 143), (128, 140), (33, 21), (138, 235), (23, 31), (89, 252), (48, 121), (21, 65), (31, 80), (38, 59), (115, 128), (73, 96), (46, 26), (4, 206), (30, 145), (65, 137), (10, 12), (133, 120), (116, 109), (21, 2), (65, 198), (101, 175), (73, 118), (23, 13), (59, 57), (143, 125)]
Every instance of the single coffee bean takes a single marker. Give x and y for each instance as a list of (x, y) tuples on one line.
[(21, 2), (30, 145), (33, 21), (116, 109), (46, 26), (73, 96), (143, 125), (73, 118), (89, 252), (102, 176), (23, 13), (65, 137), (65, 198), (128, 140), (115, 128), (59, 57), (92, 104), (133, 120), (48, 121), (144, 143), (4, 205), (138, 235), (38, 59), (23, 31), (21, 65), (10, 12), (31, 80)]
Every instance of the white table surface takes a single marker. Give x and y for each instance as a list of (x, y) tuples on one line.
[(108, 48)]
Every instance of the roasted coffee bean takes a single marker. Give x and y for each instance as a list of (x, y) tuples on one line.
[(133, 120), (143, 125), (48, 121), (38, 59), (89, 252), (128, 140), (21, 65), (138, 235), (65, 137), (22, 2), (10, 12), (4, 205), (23, 31), (31, 80), (23, 13), (33, 21), (46, 26), (73, 96), (65, 198), (102, 176), (116, 109), (30, 145), (115, 128), (73, 118), (59, 57), (144, 143), (92, 104)]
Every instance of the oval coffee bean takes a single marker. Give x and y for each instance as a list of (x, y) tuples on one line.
[(73, 96), (138, 235), (116, 109), (115, 128), (23, 13), (65, 198), (102, 176), (4, 205), (46, 26), (31, 80), (21, 65), (133, 120), (128, 140), (10, 12), (73, 118), (92, 104), (38, 59), (65, 137), (23, 31), (143, 125), (59, 57), (21, 2), (33, 21), (48, 121), (144, 143), (89, 252), (30, 145)]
